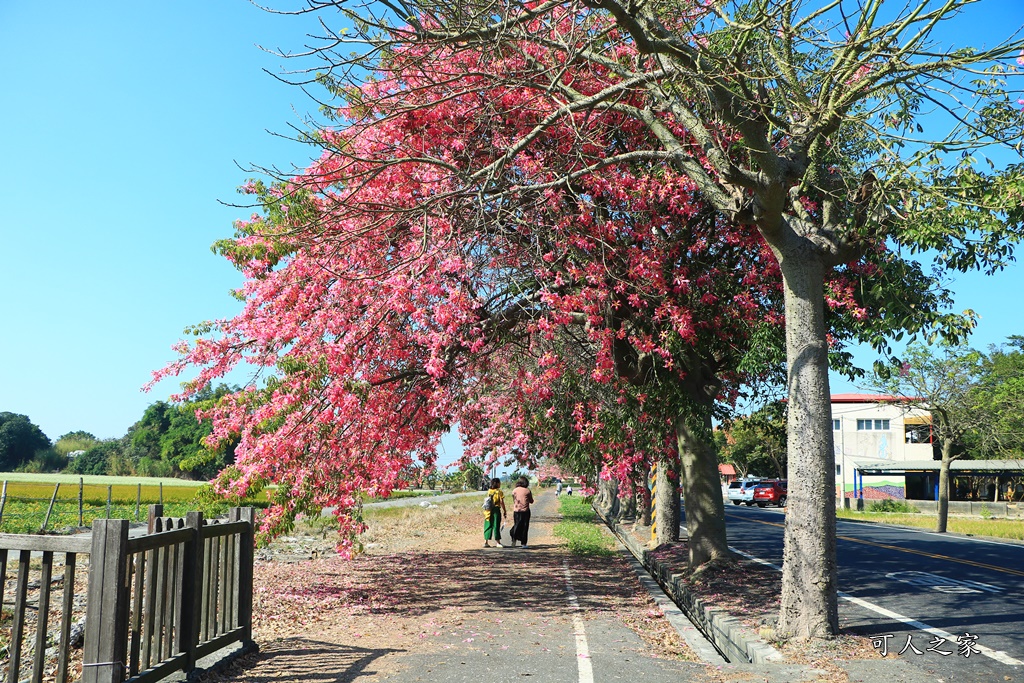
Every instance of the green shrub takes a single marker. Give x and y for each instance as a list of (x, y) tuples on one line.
[(892, 505), (148, 467), (213, 504), (49, 460)]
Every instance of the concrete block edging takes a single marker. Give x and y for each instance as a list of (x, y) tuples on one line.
[(726, 632)]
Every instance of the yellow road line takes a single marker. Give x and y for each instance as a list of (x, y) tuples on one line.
[(982, 565)]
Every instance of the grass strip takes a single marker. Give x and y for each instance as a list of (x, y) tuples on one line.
[(580, 529), (994, 528)]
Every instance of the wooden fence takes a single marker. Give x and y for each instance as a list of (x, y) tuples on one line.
[(154, 604), (78, 505)]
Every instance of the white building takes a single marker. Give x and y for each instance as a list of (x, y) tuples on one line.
[(870, 430)]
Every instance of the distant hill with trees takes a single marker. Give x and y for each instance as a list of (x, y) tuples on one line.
[(167, 441)]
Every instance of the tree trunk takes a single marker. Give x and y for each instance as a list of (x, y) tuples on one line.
[(809, 606), (607, 498), (943, 502), (645, 502), (702, 491), (666, 501), (627, 508)]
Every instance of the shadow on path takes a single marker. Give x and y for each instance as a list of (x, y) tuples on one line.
[(411, 604), (303, 659)]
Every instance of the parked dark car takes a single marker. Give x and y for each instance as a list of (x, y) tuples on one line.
[(771, 492)]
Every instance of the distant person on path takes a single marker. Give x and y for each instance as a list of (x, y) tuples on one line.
[(568, 490), (558, 489), (493, 514), (522, 499)]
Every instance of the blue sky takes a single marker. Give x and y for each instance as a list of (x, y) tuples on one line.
[(122, 127)]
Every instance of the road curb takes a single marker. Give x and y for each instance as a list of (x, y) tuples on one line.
[(684, 626), (724, 631)]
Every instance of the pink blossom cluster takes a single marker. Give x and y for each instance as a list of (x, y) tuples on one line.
[(385, 303)]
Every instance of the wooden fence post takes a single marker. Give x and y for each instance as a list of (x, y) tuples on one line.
[(81, 485), (3, 501), (106, 634), (246, 553), (110, 492), (138, 501), (155, 511), (18, 623), (49, 510), (191, 591)]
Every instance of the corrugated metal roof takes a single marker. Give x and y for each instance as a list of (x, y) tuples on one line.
[(956, 466)]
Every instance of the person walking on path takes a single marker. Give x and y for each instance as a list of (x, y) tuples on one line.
[(558, 489), (494, 513), (522, 499)]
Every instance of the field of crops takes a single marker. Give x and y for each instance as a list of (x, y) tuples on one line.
[(51, 479), (25, 504), (30, 504)]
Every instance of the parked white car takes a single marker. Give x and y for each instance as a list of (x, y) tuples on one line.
[(742, 491)]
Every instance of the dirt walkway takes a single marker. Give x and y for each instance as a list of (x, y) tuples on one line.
[(428, 603)]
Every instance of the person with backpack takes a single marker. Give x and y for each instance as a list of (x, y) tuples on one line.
[(522, 499), (494, 510)]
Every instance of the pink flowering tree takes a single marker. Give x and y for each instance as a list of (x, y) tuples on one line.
[(385, 281), (764, 108)]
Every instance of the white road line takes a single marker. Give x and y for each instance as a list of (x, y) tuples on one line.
[(756, 559), (997, 655), (582, 649)]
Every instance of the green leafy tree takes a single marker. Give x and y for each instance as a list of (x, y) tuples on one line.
[(512, 477), (99, 459), (75, 441), (946, 384), (169, 440), (999, 395), (756, 444), (469, 476), (19, 440)]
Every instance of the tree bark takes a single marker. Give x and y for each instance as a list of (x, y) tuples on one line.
[(809, 606), (702, 491), (645, 502), (607, 501), (666, 501), (943, 502), (627, 508)]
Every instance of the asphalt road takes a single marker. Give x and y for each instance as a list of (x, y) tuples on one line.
[(919, 585)]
